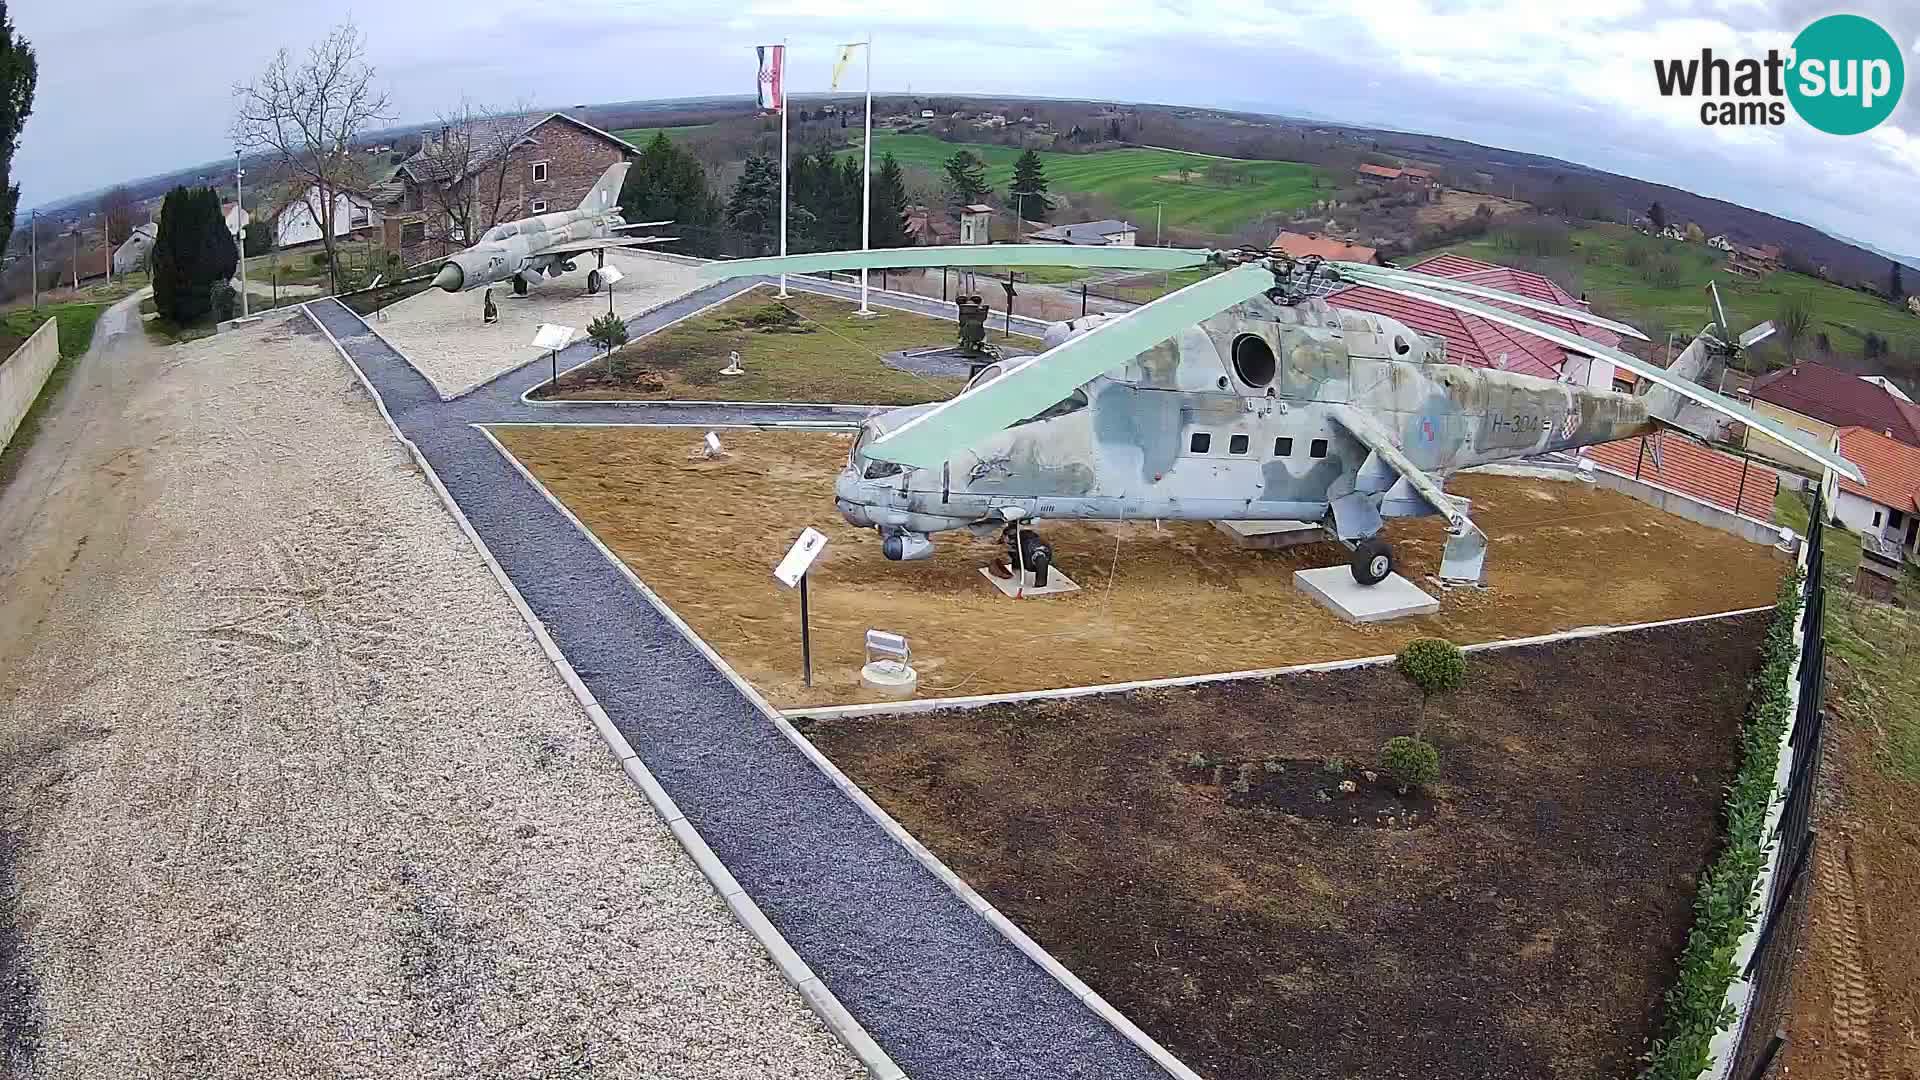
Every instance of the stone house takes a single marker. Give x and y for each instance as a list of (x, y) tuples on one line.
[(493, 170)]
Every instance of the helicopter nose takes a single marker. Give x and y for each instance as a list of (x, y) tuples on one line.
[(450, 277)]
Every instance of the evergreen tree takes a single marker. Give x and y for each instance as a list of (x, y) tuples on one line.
[(1658, 215), (667, 183), (1028, 191), (18, 74), (755, 204), (890, 205), (1896, 288), (966, 178), (192, 255)]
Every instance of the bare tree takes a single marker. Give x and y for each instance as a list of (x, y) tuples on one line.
[(464, 164), (310, 112), (120, 213)]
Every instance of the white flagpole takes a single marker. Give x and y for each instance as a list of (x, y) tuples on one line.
[(866, 184), (782, 294)]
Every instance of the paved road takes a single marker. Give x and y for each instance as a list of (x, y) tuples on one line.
[(939, 989)]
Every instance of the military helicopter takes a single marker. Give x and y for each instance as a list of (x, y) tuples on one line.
[(1246, 396), (524, 248)]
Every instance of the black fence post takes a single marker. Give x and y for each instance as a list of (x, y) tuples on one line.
[(1641, 456), (1779, 901), (1083, 298), (1774, 1042)]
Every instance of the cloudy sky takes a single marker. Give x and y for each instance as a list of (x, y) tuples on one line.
[(131, 87)]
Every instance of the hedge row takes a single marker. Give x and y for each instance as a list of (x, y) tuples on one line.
[(1696, 1006)]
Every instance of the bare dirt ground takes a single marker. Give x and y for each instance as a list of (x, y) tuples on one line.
[(1155, 602), (289, 789), (1459, 205), (1856, 989), (1191, 854), (442, 334)]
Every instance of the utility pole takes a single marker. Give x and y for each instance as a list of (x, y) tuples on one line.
[(33, 247), (240, 234), (73, 233)]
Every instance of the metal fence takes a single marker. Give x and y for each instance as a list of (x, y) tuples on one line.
[(1788, 897)]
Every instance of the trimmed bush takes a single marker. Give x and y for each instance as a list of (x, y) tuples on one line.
[(1412, 762), (1433, 666), (1696, 1006)]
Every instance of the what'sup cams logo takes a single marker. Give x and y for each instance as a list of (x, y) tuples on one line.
[(1843, 75)]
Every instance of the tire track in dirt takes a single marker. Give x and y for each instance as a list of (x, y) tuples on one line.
[(1839, 938)]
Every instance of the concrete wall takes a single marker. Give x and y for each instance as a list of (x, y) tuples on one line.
[(1686, 506), (24, 373)]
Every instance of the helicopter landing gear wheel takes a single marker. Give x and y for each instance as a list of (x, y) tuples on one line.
[(1026, 548), (1372, 561), (593, 282), (519, 285)]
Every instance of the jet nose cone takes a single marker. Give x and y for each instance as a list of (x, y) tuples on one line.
[(450, 278)]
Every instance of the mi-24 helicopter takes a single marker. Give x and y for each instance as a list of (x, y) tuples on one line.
[(1245, 396)]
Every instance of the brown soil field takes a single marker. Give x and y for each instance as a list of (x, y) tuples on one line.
[(1522, 921), (1460, 205), (1179, 599)]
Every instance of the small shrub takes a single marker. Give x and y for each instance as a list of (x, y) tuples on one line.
[(1412, 762), (1433, 666), (1337, 766), (318, 260)]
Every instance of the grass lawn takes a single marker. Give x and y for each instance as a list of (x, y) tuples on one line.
[(808, 348), (643, 135), (1845, 315), (1136, 179), (76, 333)]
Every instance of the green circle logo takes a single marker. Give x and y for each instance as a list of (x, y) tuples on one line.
[(1847, 74)]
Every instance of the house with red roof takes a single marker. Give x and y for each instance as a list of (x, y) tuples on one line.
[(1818, 400), (1378, 173), (1478, 342), (1885, 509), (1301, 245)]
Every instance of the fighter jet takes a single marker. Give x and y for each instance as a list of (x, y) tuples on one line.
[(548, 243), (1247, 396)]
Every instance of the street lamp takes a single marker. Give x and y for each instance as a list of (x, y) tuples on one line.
[(240, 232)]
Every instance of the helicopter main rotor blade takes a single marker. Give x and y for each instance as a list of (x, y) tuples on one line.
[(1126, 258), (1657, 375), (1039, 381), (1379, 275)]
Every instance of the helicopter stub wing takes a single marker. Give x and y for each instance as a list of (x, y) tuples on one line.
[(1656, 375), (1038, 381), (1387, 277), (1125, 258)]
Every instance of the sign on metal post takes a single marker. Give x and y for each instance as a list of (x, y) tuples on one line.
[(552, 337), (792, 572)]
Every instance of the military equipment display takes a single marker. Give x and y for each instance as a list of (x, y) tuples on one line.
[(1246, 396), (521, 250)]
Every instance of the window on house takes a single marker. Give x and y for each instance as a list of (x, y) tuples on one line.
[(1895, 519), (539, 172), (413, 232), (1236, 444), (1200, 442), (1283, 446), (1317, 449), (1876, 519), (538, 206)]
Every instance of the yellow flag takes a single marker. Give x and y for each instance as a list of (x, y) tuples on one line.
[(846, 57)]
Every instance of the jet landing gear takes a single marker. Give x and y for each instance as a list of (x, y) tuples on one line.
[(519, 285), (593, 275), (1372, 561)]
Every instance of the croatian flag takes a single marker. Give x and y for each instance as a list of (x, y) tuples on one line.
[(772, 68)]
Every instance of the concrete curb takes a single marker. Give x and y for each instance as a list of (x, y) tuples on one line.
[(524, 400), (975, 701), (1028, 947), (814, 992)]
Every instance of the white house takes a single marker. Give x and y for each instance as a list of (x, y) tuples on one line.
[(132, 253), (1886, 508), (1105, 233), (299, 222), (976, 224)]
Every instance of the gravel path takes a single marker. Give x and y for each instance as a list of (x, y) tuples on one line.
[(942, 992), (291, 791), (442, 334)]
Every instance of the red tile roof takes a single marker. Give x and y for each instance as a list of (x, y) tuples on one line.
[(1472, 340), (1380, 171), (1839, 398), (1892, 468), (1301, 245), (1697, 470)]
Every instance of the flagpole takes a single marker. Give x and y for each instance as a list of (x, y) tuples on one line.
[(782, 294), (866, 184)]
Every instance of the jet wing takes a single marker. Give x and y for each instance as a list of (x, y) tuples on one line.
[(588, 247)]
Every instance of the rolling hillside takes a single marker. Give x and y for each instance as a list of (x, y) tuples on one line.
[(1136, 179)]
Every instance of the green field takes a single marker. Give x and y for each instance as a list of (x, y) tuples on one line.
[(643, 136), (1599, 255), (1136, 179)]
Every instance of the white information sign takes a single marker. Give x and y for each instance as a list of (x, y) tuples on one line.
[(610, 275), (800, 557), (552, 336)]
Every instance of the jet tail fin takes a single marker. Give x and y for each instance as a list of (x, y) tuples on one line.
[(605, 194)]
